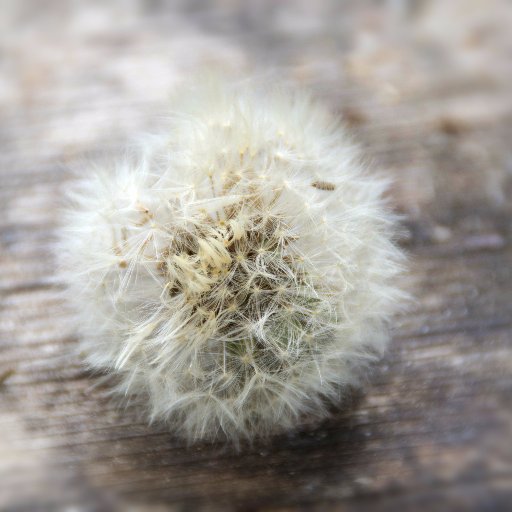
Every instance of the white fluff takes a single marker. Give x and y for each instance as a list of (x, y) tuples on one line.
[(240, 273)]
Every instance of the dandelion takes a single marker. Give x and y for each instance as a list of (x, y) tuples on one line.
[(240, 272)]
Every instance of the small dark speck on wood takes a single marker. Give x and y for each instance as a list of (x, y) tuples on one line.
[(5, 375)]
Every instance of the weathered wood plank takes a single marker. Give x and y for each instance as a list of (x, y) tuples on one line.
[(430, 102)]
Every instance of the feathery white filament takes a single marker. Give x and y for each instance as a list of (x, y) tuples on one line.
[(241, 271)]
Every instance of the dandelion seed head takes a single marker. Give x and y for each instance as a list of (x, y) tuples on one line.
[(242, 273)]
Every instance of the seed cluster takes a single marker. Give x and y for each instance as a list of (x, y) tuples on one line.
[(250, 306), (239, 274)]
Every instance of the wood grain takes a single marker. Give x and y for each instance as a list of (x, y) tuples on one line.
[(430, 101)]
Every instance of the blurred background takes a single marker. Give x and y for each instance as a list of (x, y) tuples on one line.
[(425, 88)]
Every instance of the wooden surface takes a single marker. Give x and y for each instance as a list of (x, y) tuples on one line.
[(426, 88)]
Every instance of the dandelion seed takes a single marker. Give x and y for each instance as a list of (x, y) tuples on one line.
[(323, 185)]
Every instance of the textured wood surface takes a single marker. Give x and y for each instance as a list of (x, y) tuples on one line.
[(426, 88)]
